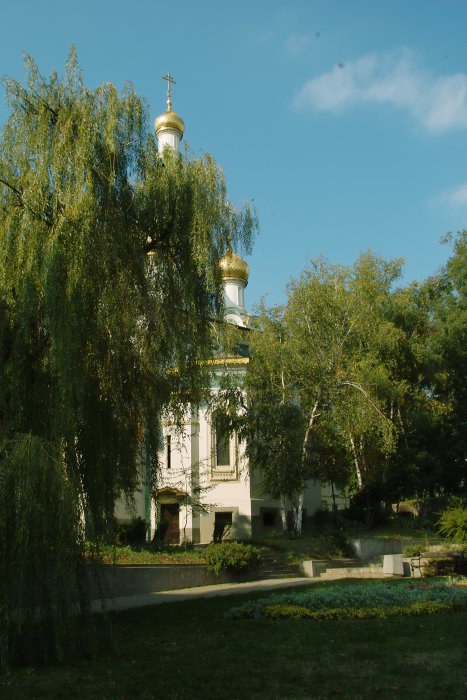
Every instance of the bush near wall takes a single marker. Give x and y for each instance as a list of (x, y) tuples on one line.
[(231, 556)]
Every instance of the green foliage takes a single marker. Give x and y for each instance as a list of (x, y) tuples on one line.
[(438, 566), (42, 575), (274, 423), (439, 444), (231, 556), (108, 287), (406, 522), (108, 277), (146, 554), (297, 612), (133, 533), (453, 524), (322, 377), (286, 610), (413, 550), (344, 602), (376, 377), (338, 545)]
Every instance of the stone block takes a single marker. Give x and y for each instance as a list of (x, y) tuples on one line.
[(393, 565), (313, 568)]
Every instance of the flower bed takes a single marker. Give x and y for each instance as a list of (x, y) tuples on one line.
[(357, 601)]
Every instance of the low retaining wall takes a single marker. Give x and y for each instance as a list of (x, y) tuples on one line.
[(116, 581), (368, 547)]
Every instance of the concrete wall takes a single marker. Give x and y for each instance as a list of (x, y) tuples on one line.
[(368, 547), (116, 581)]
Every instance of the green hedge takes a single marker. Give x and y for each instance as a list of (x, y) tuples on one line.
[(231, 556)]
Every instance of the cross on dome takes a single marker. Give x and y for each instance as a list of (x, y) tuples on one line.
[(169, 79), (169, 127)]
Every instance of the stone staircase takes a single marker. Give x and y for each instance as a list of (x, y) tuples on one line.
[(274, 564), (358, 570), (332, 569)]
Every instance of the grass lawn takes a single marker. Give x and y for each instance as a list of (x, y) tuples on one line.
[(189, 650), (146, 554)]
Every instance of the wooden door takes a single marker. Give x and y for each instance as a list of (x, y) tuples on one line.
[(170, 516)]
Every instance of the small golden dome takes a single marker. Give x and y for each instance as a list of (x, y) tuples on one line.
[(169, 120), (233, 267)]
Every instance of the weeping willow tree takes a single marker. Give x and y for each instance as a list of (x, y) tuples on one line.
[(108, 285), (41, 553)]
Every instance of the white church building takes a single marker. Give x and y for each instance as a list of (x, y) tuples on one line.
[(206, 489)]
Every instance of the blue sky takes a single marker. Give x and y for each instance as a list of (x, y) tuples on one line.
[(345, 122)]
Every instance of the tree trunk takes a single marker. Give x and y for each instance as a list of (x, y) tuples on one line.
[(283, 509), (357, 466), (311, 422), (334, 505), (298, 512), (401, 423)]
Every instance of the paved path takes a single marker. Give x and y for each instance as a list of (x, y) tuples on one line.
[(219, 589)]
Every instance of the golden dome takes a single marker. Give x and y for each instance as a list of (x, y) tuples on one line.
[(169, 120), (233, 267)]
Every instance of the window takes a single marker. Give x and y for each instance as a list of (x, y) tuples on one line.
[(224, 457), (168, 451), (222, 525), (222, 441)]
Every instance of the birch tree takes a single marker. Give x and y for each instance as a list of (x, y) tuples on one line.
[(273, 422), (330, 367)]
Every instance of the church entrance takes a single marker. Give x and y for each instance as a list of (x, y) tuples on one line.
[(170, 518)]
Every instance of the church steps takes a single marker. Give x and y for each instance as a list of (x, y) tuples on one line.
[(275, 565), (352, 572), (344, 568)]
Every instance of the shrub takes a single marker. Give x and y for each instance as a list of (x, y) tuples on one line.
[(283, 610), (453, 524), (406, 521), (322, 519), (338, 544), (413, 550), (439, 566), (232, 556), (299, 612), (132, 533), (366, 506)]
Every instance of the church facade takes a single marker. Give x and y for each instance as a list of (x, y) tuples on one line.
[(206, 490)]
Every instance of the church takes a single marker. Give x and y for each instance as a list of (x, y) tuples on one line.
[(206, 490)]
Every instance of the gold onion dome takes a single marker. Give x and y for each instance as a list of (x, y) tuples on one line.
[(233, 266), (169, 120)]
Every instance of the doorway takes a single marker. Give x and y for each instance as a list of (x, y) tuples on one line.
[(170, 519)]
